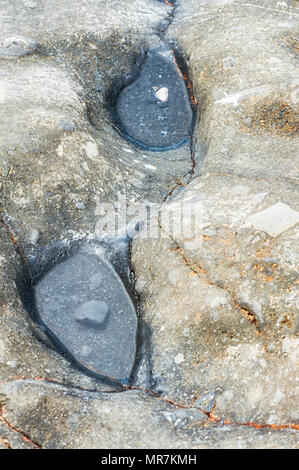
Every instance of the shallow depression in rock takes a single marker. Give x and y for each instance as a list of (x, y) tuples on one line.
[(86, 309), (155, 111)]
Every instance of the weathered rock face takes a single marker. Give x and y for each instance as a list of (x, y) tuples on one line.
[(217, 286)]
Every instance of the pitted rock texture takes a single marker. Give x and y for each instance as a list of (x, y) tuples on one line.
[(218, 301), (155, 109), (78, 296)]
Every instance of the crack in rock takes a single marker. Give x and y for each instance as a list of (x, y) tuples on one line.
[(24, 436)]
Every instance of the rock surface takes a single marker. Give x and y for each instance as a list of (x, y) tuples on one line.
[(17, 46), (217, 353)]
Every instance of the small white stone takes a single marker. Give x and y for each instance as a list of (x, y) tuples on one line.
[(179, 358), (173, 276), (239, 190), (91, 150), (32, 236), (59, 150), (12, 364), (271, 347), (2, 351), (150, 167), (194, 244), (287, 345), (162, 94), (274, 220)]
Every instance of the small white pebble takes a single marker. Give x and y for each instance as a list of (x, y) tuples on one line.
[(179, 358), (162, 94), (33, 236), (150, 167), (91, 150)]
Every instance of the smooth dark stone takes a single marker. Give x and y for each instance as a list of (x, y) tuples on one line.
[(84, 305), (149, 121)]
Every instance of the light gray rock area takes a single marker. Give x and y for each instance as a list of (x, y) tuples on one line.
[(83, 303), (207, 286)]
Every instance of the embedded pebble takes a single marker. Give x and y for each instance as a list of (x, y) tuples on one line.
[(33, 236), (155, 109), (13, 47), (93, 312), (179, 358), (162, 94), (82, 301)]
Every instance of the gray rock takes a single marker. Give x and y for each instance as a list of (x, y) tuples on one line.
[(72, 311)]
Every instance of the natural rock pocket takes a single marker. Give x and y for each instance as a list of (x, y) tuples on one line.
[(84, 306), (155, 111)]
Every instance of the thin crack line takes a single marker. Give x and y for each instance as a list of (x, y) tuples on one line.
[(24, 436), (3, 189), (197, 269), (17, 248), (211, 417)]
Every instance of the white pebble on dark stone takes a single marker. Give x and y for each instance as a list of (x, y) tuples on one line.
[(162, 94), (16, 46), (155, 110), (92, 313)]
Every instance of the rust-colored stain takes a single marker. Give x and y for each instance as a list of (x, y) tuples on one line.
[(211, 416), (273, 116), (288, 320), (5, 442), (190, 89), (177, 65), (277, 427), (197, 269), (265, 272)]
